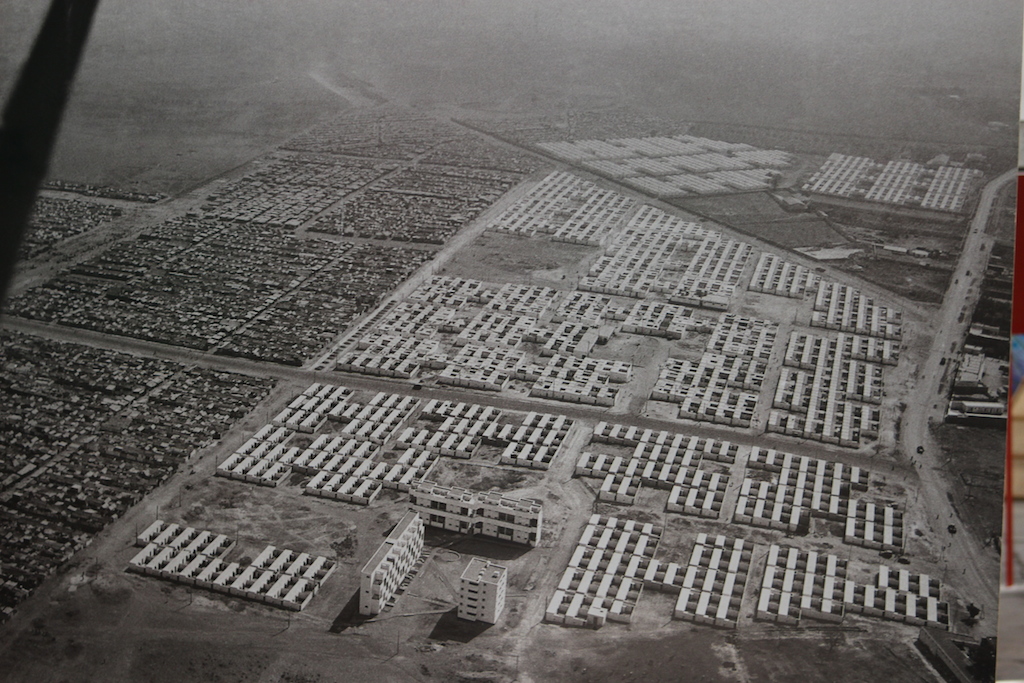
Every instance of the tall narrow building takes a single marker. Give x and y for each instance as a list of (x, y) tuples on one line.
[(482, 591)]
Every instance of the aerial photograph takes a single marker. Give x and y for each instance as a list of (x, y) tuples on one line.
[(513, 341)]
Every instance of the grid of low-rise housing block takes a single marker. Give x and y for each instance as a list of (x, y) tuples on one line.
[(531, 300), (455, 429), (823, 383), (896, 605), (567, 208), (844, 308), (774, 275), (809, 351), (681, 448), (949, 188), (583, 307), (581, 380), (675, 166), (877, 525), (897, 182), (692, 490), (711, 277), (490, 328), (606, 573), (782, 491), (452, 292), (662, 460), (536, 442), (279, 577), (477, 366), (392, 355), (798, 584), (660, 319), (723, 385), (651, 242), (349, 458), (712, 587)]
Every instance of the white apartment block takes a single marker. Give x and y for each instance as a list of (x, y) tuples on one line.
[(469, 512), (384, 572), (482, 591)]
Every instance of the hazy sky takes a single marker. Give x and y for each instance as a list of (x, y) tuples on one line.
[(203, 68)]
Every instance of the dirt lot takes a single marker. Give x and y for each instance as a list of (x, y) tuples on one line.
[(494, 257), (974, 458), (760, 216), (909, 279)]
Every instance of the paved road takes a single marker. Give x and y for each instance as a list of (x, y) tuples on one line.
[(357, 381), (949, 330)]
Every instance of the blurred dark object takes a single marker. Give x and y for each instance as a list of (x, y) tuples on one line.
[(32, 117)]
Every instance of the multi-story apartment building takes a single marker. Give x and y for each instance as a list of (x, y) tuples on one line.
[(469, 512), (384, 572), (482, 591)]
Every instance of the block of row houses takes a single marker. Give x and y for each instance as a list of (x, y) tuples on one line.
[(843, 308), (737, 335), (895, 605), (874, 525), (452, 292), (308, 412), (771, 505), (698, 493), (774, 275), (799, 584), (712, 587), (583, 307), (908, 582), (618, 488), (603, 581), (282, 578), (439, 410)]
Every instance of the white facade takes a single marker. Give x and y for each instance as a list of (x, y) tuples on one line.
[(468, 512), (385, 571), (482, 591)]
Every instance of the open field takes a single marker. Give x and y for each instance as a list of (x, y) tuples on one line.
[(902, 276), (760, 216)]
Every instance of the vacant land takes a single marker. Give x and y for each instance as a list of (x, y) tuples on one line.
[(495, 257), (974, 458), (903, 276), (760, 216)]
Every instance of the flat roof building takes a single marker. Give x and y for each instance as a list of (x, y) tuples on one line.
[(384, 572), (482, 591), (469, 512)]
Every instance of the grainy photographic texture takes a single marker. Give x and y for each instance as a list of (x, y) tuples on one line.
[(478, 340)]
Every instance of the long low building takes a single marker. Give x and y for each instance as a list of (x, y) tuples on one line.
[(470, 512), (194, 557)]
